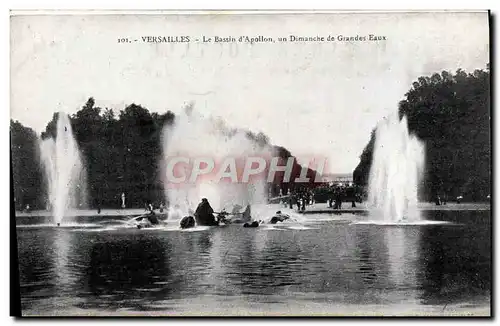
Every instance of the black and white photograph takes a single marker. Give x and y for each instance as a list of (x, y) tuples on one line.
[(250, 163)]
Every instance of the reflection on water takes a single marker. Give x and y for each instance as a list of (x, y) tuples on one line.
[(465, 272), (37, 278), (403, 252), (114, 275), (63, 268), (331, 263), (369, 255)]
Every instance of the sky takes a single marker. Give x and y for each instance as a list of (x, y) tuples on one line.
[(319, 99)]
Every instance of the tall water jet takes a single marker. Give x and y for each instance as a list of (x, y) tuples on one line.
[(193, 136), (64, 171), (396, 171)]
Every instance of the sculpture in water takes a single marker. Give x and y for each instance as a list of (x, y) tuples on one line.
[(64, 171), (396, 171), (193, 136)]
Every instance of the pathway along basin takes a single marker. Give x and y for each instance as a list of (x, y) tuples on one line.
[(324, 265)]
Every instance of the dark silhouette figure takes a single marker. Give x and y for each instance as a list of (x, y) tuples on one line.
[(187, 222), (351, 195), (244, 217), (153, 219), (338, 199), (254, 224), (279, 217), (204, 214)]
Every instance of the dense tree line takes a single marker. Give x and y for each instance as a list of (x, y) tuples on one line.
[(26, 170), (121, 153), (451, 114)]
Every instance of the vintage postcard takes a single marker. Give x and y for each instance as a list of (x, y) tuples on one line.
[(252, 163)]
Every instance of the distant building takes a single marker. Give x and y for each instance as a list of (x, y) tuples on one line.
[(336, 178)]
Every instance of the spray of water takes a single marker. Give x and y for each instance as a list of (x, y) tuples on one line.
[(64, 171), (396, 171), (195, 136)]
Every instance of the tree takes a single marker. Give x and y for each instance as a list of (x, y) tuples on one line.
[(451, 114), (26, 170)]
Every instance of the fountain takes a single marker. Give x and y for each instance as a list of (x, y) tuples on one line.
[(193, 136), (64, 171), (396, 171)]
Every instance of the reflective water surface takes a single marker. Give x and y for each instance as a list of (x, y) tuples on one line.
[(322, 265)]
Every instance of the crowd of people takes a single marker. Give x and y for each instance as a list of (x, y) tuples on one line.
[(333, 194), (339, 194)]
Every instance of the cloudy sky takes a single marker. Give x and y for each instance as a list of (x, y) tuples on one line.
[(319, 99)]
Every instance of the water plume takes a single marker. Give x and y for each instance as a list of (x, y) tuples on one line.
[(396, 171), (64, 171)]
